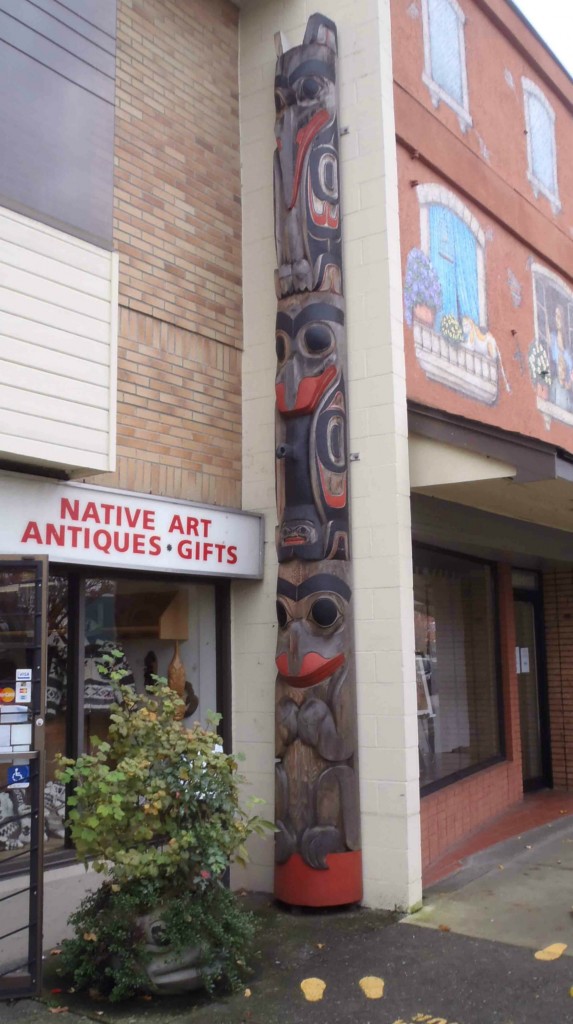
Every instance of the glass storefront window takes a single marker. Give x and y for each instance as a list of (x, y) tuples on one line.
[(134, 625), (459, 707)]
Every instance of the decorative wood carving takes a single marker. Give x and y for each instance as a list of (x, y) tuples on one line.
[(318, 860)]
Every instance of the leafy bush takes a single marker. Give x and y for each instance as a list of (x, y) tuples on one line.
[(109, 952), (157, 808), (421, 284)]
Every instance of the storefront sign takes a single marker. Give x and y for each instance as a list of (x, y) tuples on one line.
[(98, 526)]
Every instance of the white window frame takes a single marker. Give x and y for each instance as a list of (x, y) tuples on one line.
[(437, 93), (430, 195), (531, 89)]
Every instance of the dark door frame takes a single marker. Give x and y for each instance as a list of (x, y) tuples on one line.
[(535, 598)]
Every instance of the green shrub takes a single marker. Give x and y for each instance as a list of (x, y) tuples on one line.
[(157, 808)]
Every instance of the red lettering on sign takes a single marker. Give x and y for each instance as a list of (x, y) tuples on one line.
[(31, 533), (69, 508), (231, 554), (155, 545)]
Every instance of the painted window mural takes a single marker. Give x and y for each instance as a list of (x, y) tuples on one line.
[(444, 56), (551, 352), (445, 301), (541, 149)]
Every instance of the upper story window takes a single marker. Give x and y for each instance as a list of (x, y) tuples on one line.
[(541, 148), (445, 56)]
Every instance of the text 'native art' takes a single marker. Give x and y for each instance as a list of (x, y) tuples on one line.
[(318, 860)]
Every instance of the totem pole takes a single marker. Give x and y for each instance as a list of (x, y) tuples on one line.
[(318, 860)]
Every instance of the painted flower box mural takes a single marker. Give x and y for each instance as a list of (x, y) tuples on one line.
[(551, 351), (444, 299)]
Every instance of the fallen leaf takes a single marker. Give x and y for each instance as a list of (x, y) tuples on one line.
[(552, 952), (146, 998), (320, 945), (313, 989), (500, 866), (90, 937), (247, 993), (58, 1009), (372, 987), (444, 928)]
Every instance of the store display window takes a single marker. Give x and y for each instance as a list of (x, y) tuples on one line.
[(98, 628), (457, 670)]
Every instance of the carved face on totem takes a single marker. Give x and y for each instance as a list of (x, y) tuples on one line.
[(312, 476), (313, 640), (309, 335), (307, 207)]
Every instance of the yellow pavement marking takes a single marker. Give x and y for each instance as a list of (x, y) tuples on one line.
[(313, 989), (372, 987), (552, 952)]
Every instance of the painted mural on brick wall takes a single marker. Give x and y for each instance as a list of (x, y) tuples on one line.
[(445, 300), (551, 351)]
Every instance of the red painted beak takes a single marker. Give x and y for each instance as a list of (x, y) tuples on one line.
[(314, 669)]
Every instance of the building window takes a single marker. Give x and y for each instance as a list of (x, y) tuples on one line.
[(445, 56), (132, 625), (459, 699), (551, 351), (541, 148)]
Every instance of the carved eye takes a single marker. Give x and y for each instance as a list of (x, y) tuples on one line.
[(318, 339), (309, 88), (282, 616), (324, 612), (281, 346), (159, 934)]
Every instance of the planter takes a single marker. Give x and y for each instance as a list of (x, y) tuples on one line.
[(170, 972), (425, 315)]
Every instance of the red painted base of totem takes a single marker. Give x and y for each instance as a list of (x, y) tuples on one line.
[(301, 886)]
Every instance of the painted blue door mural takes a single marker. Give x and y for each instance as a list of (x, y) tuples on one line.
[(453, 254), (444, 302)]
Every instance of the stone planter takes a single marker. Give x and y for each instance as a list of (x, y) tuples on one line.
[(170, 972)]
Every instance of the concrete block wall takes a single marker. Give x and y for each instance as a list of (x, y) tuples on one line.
[(383, 598), (177, 226)]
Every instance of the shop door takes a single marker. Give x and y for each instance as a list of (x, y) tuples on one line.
[(23, 588), (530, 665)]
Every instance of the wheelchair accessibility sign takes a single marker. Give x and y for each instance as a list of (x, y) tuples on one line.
[(19, 776)]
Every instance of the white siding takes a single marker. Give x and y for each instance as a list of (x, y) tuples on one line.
[(58, 348)]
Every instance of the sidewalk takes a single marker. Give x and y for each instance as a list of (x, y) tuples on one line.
[(466, 958)]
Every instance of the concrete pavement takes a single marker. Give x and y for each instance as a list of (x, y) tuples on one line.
[(466, 958)]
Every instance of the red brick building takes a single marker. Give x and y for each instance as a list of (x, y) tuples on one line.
[(484, 131)]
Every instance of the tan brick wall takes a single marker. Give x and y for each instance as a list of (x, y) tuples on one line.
[(178, 232), (178, 414), (558, 605), (177, 174)]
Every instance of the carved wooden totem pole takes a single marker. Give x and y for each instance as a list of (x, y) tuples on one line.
[(318, 860)]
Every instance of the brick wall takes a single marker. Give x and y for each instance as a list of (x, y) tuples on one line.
[(558, 605), (452, 813), (178, 413), (178, 232)]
